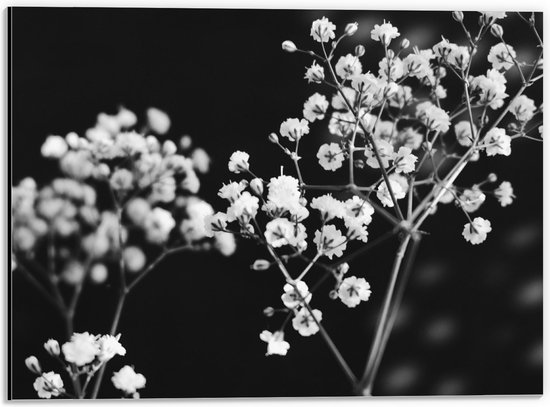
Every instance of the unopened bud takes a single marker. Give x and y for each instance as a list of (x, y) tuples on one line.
[(351, 29), (260, 265), (359, 164), (405, 43), (497, 31), (458, 16), (257, 186), (289, 46), (343, 268), (33, 365), (333, 294), (52, 347), (186, 142), (269, 312), (273, 138), (492, 177), (359, 51), (391, 54)]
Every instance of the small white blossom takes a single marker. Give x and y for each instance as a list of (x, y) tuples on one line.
[(137, 210), (225, 244), (306, 323), (329, 207), (501, 56), (158, 224), (384, 195), (359, 210), (81, 349), (435, 118), (391, 70), (33, 365), (315, 73), (215, 223), (109, 347), (405, 160), (244, 208), (505, 194), (294, 297), (201, 160), (348, 66), (385, 152), (315, 107), (231, 191), (54, 147), (238, 162), (276, 345), (158, 121), (127, 380), (134, 259), (476, 232), (330, 156), (283, 192), (384, 33), (523, 108), (353, 290), (121, 180), (322, 30), (472, 199), (330, 241), (497, 142), (294, 129), (99, 273), (48, 384), (491, 88), (463, 131)]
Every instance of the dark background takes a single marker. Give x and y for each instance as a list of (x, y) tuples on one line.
[(471, 322)]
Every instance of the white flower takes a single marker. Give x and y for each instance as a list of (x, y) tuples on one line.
[(121, 180), (193, 228), (391, 70), (459, 56), (330, 156), (493, 15), (276, 345), (315, 107), (127, 380), (131, 143), (497, 142), (54, 147), (472, 199), (385, 152), (315, 73), (501, 56), (329, 207), (52, 347), (463, 131), (48, 384), (359, 210), (294, 129), (294, 297), (417, 65), (348, 66), (410, 138), (435, 118), (356, 230), (169, 148), (134, 259), (126, 118), (353, 290), (99, 273), (158, 224), (283, 192), (215, 223), (404, 160), (238, 162), (384, 195), (322, 30), (339, 103), (305, 323), (330, 241), (289, 46), (137, 210), (278, 232), (476, 232), (109, 347), (523, 108), (505, 193), (158, 121), (225, 243), (384, 33), (231, 191), (81, 349), (244, 208), (491, 88), (201, 160)]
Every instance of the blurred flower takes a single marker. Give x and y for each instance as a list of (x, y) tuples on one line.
[(384, 33), (48, 385), (127, 380), (54, 147), (315, 107), (134, 259), (158, 121), (33, 365), (505, 194)]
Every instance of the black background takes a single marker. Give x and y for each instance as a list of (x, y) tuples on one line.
[(471, 321)]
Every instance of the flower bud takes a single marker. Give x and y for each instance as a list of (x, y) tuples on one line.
[(273, 138), (497, 31), (186, 142), (260, 265), (32, 364), (343, 268), (492, 177), (269, 312), (458, 16), (405, 43), (351, 29), (257, 186), (359, 164), (391, 54), (289, 46), (52, 347), (333, 294), (359, 51), (169, 147)]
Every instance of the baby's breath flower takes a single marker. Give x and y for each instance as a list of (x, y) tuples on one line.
[(158, 121), (330, 241), (385, 152), (276, 345), (330, 156), (48, 384), (315, 107), (238, 162), (231, 191), (257, 186), (458, 16), (405, 160), (283, 192), (201, 160), (505, 193), (435, 118), (315, 73), (384, 195), (497, 142), (294, 297), (322, 30), (491, 88), (294, 129), (351, 29), (476, 232), (52, 347), (463, 131), (137, 210), (225, 244), (353, 290), (244, 208), (359, 210), (54, 147), (501, 56), (81, 349), (523, 108), (472, 199), (490, 16), (134, 259), (99, 273), (306, 323), (158, 224), (417, 65), (109, 347), (348, 66), (384, 33), (215, 223), (127, 380), (278, 232), (73, 273), (391, 70), (121, 180)]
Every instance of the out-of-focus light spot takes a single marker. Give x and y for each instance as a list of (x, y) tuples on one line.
[(440, 330), (451, 386), (533, 357), (400, 378), (529, 294), (524, 236), (431, 273), (403, 317)]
